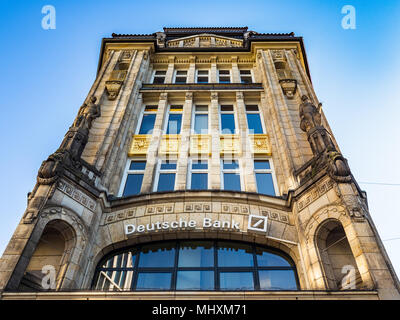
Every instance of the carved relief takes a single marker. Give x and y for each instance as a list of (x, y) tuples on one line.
[(312, 195), (200, 144), (140, 145), (260, 144), (230, 144), (77, 195), (170, 144)]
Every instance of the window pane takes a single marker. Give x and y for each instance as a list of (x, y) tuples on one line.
[(202, 79), (227, 123), (235, 255), (158, 80), (154, 281), (180, 80), (254, 123), (168, 165), (199, 181), (161, 72), (181, 73), (236, 281), (202, 72), (196, 254), (157, 255), (198, 165), (246, 79), (201, 123), (202, 108), (265, 184), (224, 79), (226, 108), (251, 107), (133, 184), (232, 182), (224, 72), (261, 164), (277, 280), (137, 165), (231, 164), (195, 280), (174, 124), (166, 182), (268, 259), (147, 124), (245, 72)]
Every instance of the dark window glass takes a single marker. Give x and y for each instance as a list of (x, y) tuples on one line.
[(268, 259), (158, 80), (174, 123), (232, 182), (202, 79), (245, 72), (198, 165), (265, 184), (251, 107), (196, 254), (195, 280), (235, 255), (199, 181), (201, 123), (157, 255), (226, 107), (254, 123), (246, 80), (168, 165), (137, 165), (227, 123), (236, 280), (154, 281), (147, 124), (133, 184), (261, 164), (166, 182), (180, 80), (202, 108), (277, 280)]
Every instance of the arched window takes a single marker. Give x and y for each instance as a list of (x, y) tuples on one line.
[(196, 265)]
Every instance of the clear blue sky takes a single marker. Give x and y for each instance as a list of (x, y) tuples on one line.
[(46, 75)]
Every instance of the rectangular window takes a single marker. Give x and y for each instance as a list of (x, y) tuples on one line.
[(134, 178), (227, 119), (230, 175), (148, 119), (165, 179), (264, 177), (245, 76), (200, 119), (180, 76), (224, 76), (254, 122), (202, 76), (174, 122), (198, 175), (159, 76)]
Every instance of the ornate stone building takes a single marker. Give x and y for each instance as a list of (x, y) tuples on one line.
[(200, 165)]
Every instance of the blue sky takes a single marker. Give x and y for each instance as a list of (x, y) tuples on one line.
[(46, 75)]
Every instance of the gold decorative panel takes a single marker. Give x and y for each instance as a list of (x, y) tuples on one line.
[(260, 144), (140, 145), (200, 144), (230, 144), (170, 144)]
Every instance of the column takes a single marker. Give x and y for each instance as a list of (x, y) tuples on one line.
[(235, 70), (213, 71), (170, 71), (215, 170), (192, 70)]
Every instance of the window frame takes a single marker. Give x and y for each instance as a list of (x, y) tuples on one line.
[(127, 172), (142, 113), (220, 112), (197, 76), (175, 75), (155, 76), (166, 118), (193, 120), (190, 171), (251, 75), (158, 171), (255, 112), (271, 171), (239, 171), (230, 75)]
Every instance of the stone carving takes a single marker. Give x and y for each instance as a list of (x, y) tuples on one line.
[(77, 195), (289, 87), (309, 114), (70, 151), (140, 145), (314, 194)]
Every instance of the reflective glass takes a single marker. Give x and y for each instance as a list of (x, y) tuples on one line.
[(277, 280), (235, 255), (261, 164), (236, 280), (174, 123), (133, 184), (166, 182), (168, 165), (200, 165), (201, 123), (157, 255), (137, 165), (154, 281), (265, 185), (268, 259), (254, 123), (231, 164), (227, 123), (232, 182), (147, 124), (196, 254), (199, 181), (195, 280)]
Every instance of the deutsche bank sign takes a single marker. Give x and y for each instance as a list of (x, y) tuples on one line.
[(255, 223)]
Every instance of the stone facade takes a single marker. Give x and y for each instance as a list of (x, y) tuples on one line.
[(78, 203)]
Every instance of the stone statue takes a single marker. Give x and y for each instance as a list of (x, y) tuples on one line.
[(87, 113), (309, 114)]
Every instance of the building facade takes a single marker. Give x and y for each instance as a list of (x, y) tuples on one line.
[(200, 165)]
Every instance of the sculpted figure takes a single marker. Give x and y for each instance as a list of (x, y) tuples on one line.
[(87, 113), (309, 114)]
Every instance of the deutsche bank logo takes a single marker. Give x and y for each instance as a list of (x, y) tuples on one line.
[(257, 223)]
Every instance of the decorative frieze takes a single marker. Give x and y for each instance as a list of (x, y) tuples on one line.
[(200, 144), (114, 83), (260, 144), (77, 195), (230, 144), (170, 144), (312, 195), (140, 145)]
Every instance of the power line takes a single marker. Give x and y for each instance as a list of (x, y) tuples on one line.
[(381, 183), (392, 239)]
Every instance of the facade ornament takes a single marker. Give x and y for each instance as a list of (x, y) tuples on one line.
[(189, 96), (239, 95), (309, 114), (214, 95), (289, 87), (163, 96), (161, 39)]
